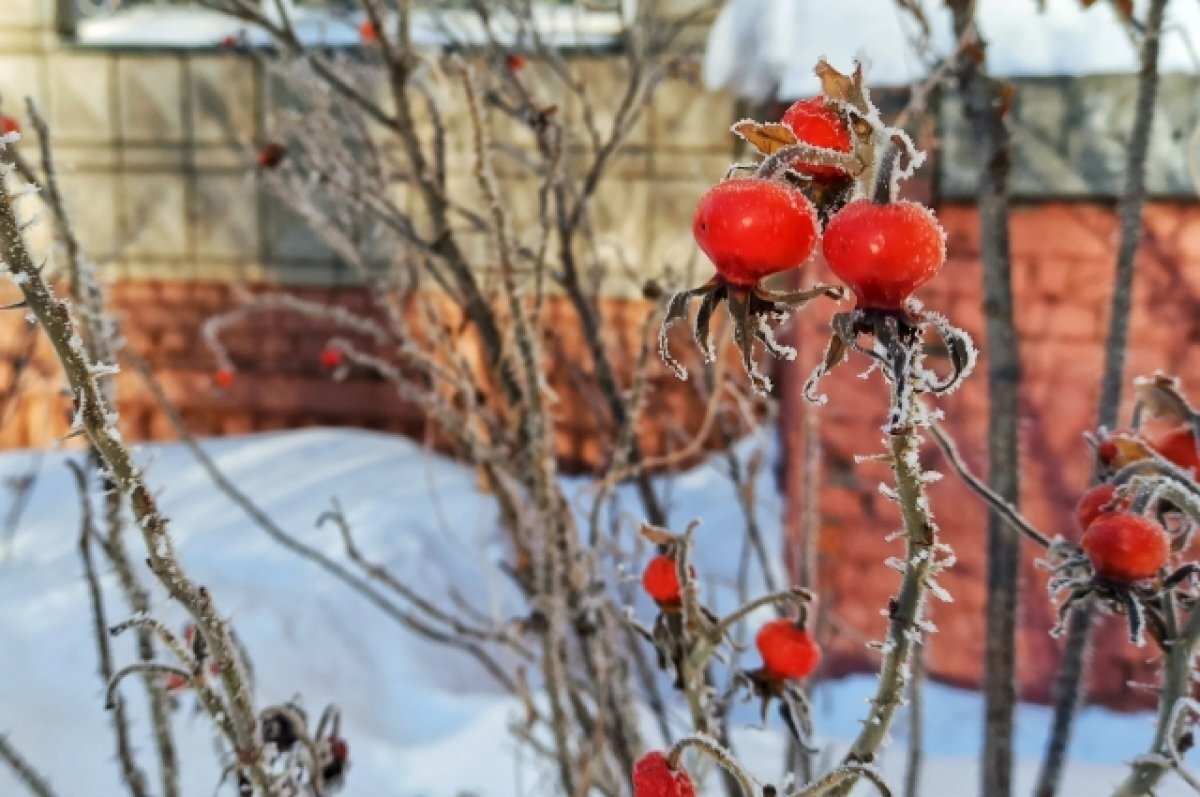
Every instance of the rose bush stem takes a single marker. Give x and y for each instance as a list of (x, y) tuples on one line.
[(1177, 681), (95, 419), (907, 608)]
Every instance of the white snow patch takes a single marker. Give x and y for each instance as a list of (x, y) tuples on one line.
[(421, 720)]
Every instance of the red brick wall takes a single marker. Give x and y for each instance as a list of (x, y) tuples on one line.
[(1063, 261), (279, 383)]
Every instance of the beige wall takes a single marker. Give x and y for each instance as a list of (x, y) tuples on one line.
[(157, 149)]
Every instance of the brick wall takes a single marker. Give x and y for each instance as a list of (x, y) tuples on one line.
[(1063, 259), (280, 383)]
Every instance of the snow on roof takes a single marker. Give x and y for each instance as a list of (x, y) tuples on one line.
[(193, 26), (767, 48)]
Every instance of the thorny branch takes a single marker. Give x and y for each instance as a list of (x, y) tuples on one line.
[(134, 778), (26, 774), (94, 417), (99, 333)]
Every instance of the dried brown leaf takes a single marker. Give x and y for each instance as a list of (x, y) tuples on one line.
[(1160, 398), (766, 138), (657, 535), (838, 86)]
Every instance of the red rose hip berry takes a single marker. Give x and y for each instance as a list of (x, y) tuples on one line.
[(653, 777), (660, 579), (1179, 446), (331, 357), (8, 125), (224, 378), (787, 650), (1126, 547), (271, 155), (817, 123), (751, 228), (884, 252), (1091, 504)]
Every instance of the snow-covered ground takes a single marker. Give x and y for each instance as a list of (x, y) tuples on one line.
[(420, 720)]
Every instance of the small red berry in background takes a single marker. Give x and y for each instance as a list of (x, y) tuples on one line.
[(817, 123), (653, 777), (884, 252), (1126, 547), (514, 62), (271, 155), (1091, 504), (1179, 447), (9, 125), (751, 228), (787, 650), (224, 378), (331, 357), (660, 579), (367, 33)]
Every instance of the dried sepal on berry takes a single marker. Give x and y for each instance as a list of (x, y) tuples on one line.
[(767, 138), (1161, 397), (898, 352)]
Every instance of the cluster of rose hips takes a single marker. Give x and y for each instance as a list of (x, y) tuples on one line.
[(829, 176), (788, 651), (1130, 532)]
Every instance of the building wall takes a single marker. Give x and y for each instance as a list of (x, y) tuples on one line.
[(1063, 257)]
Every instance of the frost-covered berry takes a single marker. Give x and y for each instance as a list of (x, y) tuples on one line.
[(816, 122), (653, 777), (1091, 505), (788, 651), (1179, 446), (8, 125), (751, 228), (884, 252), (1126, 547)]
